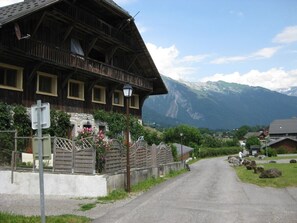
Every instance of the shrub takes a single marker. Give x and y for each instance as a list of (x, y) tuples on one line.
[(210, 152), (281, 150), (271, 152), (174, 152), (98, 142)]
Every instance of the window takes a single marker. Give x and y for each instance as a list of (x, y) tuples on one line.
[(134, 101), (76, 90), (99, 95), (11, 77), (46, 84), (118, 98), (76, 47)]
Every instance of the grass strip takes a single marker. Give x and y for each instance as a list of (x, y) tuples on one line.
[(272, 158), (288, 178), (12, 218)]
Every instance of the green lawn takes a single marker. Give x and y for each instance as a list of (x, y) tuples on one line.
[(288, 178), (12, 218), (273, 158)]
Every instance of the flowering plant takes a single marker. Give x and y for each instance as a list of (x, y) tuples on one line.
[(98, 142)]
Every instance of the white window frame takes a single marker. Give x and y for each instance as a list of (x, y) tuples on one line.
[(19, 77), (103, 93), (81, 90), (121, 99), (54, 87), (136, 99)]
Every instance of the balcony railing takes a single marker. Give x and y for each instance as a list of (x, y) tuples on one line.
[(94, 23), (56, 56)]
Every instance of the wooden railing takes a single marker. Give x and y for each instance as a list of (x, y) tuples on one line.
[(66, 59), (94, 23)]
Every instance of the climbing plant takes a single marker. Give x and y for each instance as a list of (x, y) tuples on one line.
[(117, 123)]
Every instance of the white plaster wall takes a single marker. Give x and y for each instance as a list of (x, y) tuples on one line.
[(54, 184), (28, 157)]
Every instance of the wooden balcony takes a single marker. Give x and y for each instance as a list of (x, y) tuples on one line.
[(55, 56)]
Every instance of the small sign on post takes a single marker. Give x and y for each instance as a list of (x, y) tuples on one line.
[(40, 116), (45, 121)]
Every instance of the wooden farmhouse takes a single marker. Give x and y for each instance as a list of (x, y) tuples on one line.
[(76, 55)]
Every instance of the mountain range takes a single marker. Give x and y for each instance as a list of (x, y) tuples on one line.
[(217, 105)]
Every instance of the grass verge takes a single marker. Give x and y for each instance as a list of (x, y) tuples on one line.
[(288, 178), (273, 158), (12, 218)]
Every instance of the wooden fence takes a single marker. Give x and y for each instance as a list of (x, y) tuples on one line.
[(79, 156), (74, 156), (141, 156)]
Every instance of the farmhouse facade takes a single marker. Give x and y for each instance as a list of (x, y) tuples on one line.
[(283, 128), (75, 54), (283, 135)]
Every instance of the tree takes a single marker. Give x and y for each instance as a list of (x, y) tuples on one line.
[(240, 133), (6, 138), (21, 121), (117, 124), (5, 116), (210, 141), (60, 124), (191, 135), (253, 140)]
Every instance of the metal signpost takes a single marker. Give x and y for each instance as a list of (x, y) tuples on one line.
[(40, 116)]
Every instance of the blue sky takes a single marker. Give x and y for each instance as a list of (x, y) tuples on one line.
[(251, 42)]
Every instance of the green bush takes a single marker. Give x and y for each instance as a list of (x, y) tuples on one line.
[(174, 152), (271, 152), (281, 150), (210, 152)]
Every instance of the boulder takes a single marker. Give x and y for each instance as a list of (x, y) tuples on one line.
[(246, 162), (293, 161), (258, 169), (234, 161), (272, 161), (271, 173), (261, 157), (251, 166)]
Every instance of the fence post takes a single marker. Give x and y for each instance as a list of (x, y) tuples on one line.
[(12, 165), (73, 156), (54, 153), (154, 156)]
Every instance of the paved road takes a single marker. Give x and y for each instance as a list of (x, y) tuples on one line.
[(210, 193)]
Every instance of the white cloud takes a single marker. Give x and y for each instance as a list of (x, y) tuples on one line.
[(224, 60), (170, 64), (263, 53), (273, 78), (288, 35), (9, 2), (195, 59)]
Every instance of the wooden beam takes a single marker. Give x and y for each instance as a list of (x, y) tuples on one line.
[(112, 52), (67, 33), (33, 71), (67, 79), (38, 24), (132, 62), (91, 45), (93, 83)]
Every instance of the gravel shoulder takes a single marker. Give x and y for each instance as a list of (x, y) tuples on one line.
[(56, 205)]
